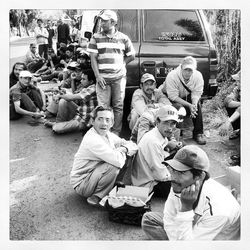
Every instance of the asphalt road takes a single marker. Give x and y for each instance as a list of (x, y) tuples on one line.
[(43, 205)]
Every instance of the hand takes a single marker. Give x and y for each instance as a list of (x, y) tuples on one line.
[(100, 80), (193, 110), (224, 129), (37, 115), (189, 195)]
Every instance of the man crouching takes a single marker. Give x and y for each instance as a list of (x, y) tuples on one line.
[(197, 208), (99, 158)]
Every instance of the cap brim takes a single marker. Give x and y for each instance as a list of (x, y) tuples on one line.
[(177, 165), (176, 119), (105, 18)]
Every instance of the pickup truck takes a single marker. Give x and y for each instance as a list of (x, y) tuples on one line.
[(162, 38)]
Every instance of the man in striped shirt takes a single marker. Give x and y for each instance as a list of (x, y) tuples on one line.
[(110, 51)]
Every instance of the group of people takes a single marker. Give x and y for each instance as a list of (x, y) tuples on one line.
[(90, 99)]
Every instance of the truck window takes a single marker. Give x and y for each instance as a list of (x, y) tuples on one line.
[(127, 23), (172, 25)]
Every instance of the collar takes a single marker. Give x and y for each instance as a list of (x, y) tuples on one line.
[(110, 36), (147, 98)]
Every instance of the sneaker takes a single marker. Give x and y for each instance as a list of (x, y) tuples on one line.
[(200, 139), (94, 200)]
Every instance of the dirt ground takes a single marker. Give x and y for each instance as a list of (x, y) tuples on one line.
[(44, 206)]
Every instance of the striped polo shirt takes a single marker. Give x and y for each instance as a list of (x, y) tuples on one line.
[(110, 52)]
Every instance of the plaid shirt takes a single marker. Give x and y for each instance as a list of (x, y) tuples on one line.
[(87, 105)]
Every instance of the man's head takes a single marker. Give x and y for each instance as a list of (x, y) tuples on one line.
[(188, 66), (70, 51), (25, 77), (108, 20), (59, 21), (88, 78), (103, 119), (148, 84), (39, 22), (49, 23), (18, 67), (190, 164), (33, 47), (166, 119)]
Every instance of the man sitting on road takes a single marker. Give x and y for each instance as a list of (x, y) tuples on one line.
[(232, 104), (99, 159), (184, 85), (145, 98), (25, 98), (33, 60), (70, 116), (197, 208), (148, 170)]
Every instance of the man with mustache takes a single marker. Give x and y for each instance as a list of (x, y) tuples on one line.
[(197, 208), (145, 98)]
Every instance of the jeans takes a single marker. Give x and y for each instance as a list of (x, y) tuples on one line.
[(43, 50), (152, 225), (198, 120), (66, 111), (29, 101), (67, 127), (113, 94)]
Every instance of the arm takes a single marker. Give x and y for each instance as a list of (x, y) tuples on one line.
[(129, 59), (43, 98), (138, 102), (146, 123)]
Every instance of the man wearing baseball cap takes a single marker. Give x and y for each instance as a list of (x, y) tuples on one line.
[(197, 208), (25, 98), (148, 170), (110, 52), (184, 86), (145, 98)]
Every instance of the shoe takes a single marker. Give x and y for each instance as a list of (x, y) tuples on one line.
[(94, 201), (200, 139)]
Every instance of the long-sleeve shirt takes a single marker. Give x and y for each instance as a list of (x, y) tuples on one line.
[(147, 168), (140, 100), (32, 57), (93, 150), (41, 35), (174, 88), (216, 217)]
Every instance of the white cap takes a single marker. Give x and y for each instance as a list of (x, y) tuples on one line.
[(189, 63), (108, 14), (25, 73), (167, 113)]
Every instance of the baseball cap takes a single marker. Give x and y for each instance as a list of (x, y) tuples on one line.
[(25, 73), (145, 77), (189, 157), (73, 66), (108, 14), (167, 113), (189, 63), (236, 76)]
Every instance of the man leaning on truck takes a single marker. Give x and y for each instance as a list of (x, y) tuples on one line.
[(110, 51), (184, 86)]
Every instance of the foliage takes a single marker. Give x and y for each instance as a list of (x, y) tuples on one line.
[(225, 27)]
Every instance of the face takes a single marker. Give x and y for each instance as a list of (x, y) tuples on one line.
[(103, 122), (69, 53), (166, 127), (49, 23), (33, 48), (148, 87), (39, 23), (107, 25), (85, 81), (180, 179), (17, 69), (187, 73), (25, 80)]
